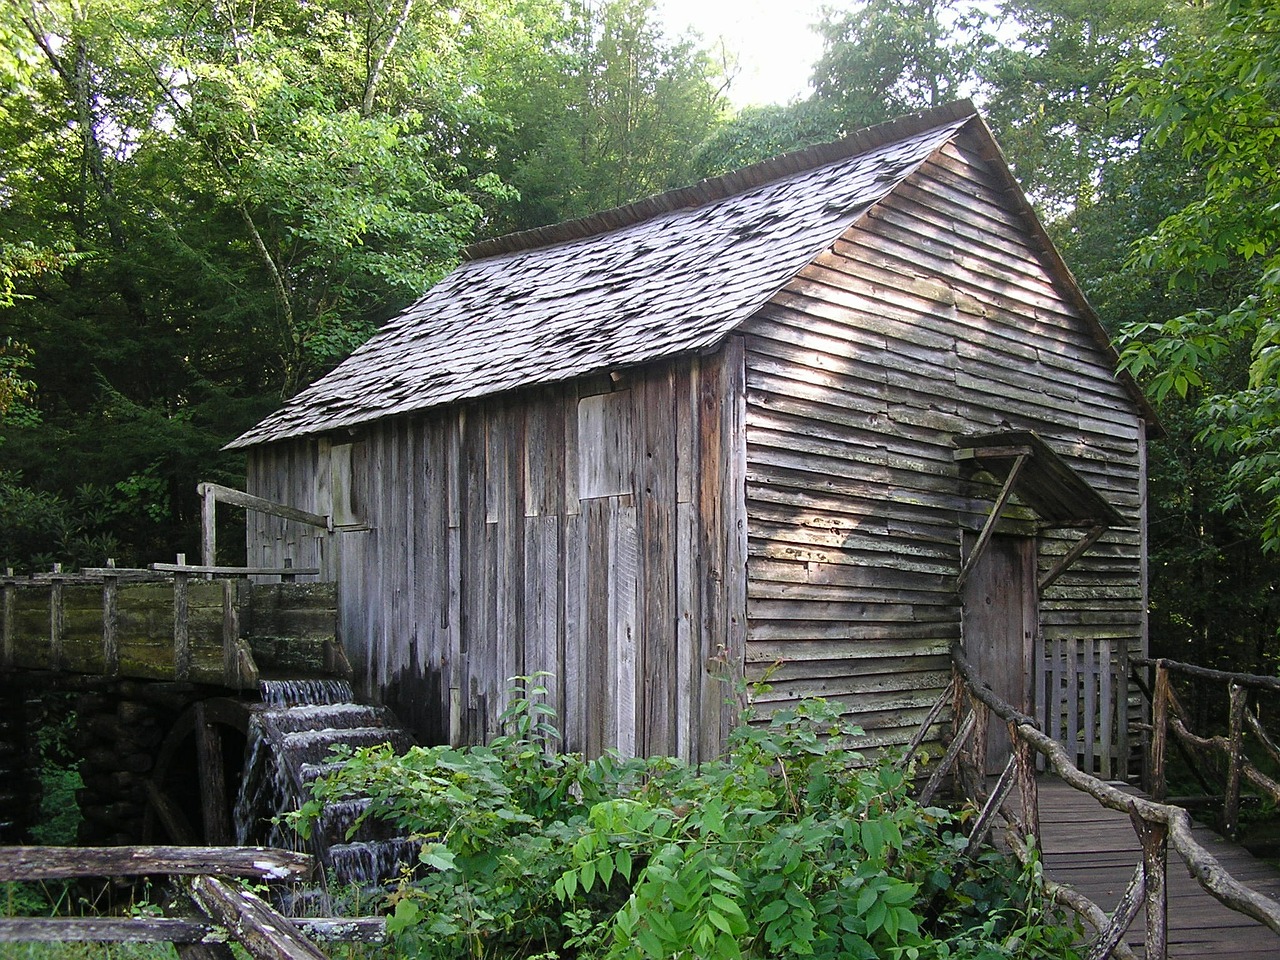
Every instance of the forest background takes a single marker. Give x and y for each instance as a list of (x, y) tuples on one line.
[(205, 204)]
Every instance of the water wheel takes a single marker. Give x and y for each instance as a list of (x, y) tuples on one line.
[(193, 785)]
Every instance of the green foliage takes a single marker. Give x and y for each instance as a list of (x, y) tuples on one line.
[(792, 846), (1051, 92), (885, 58), (1217, 99)]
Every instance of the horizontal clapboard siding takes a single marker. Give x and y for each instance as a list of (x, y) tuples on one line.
[(933, 318), (504, 538)]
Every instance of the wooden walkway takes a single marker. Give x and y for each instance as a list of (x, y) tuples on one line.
[(1096, 850)]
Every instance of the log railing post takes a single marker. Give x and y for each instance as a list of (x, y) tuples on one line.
[(1154, 836), (1030, 813), (57, 619), (1235, 760), (1159, 730), (208, 526)]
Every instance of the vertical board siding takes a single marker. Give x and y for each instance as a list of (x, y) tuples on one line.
[(933, 318), (478, 560)]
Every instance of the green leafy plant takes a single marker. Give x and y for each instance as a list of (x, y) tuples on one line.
[(794, 845)]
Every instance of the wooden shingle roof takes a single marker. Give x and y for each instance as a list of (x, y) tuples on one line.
[(669, 275)]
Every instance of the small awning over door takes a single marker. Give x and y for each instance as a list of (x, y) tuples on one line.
[(1024, 464)]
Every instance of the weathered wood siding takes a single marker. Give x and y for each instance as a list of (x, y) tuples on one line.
[(594, 531), (933, 318)]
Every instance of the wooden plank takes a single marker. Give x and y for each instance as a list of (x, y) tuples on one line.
[(623, 633), (63, 863), (656, 501), (713, 548), (573, 684), (104, 930), (264, 932)]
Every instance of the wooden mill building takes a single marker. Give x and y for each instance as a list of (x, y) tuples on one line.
[(757, 426)]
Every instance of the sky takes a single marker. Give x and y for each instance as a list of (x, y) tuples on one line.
[(771, 39)]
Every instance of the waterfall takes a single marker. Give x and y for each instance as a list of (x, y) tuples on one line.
[(291, 736)]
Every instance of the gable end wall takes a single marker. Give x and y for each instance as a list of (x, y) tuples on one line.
[(932, 318)]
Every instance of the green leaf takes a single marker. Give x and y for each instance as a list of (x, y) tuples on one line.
[(437, 855)]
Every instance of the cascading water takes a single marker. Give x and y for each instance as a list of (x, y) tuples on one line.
[(291, 735)]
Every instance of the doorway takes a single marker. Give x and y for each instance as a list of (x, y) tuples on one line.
[(999, 619)]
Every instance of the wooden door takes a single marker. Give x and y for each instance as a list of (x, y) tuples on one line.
[(1000, 615)]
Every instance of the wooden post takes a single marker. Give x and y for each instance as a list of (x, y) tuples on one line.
[(1235, 760), (111, 623), (230, 633), (981, 732), (213, 784), (181, 624), (8, 652), (287, 577), (1027, 784), (1155, 861), (208, 526), (57, 619), (1159, 730)]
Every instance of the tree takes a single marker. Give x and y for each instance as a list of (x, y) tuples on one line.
[(610, 111), (885, 58), (250, 189), (1218, 99), (758, 133), (1052, 92)]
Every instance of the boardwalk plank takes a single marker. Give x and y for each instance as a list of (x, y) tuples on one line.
[(1094, 850)]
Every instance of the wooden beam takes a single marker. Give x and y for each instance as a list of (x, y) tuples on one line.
[(990, 526), (213, 781), (103, 930), (64, 863), (239, 498), (264, 932), (1071, 556), (180, 568)]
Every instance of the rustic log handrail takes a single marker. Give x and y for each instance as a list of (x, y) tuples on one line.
[(227, 911), (1168, 714), (1159, 826), (211, 494)]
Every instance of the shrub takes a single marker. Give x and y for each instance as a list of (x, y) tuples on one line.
[(790, 847)]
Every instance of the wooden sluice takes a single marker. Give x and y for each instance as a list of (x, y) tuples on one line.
[(169, 622)]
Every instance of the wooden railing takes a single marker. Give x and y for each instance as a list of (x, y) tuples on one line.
[(1158, 826), (1169, 715), (220, 911)]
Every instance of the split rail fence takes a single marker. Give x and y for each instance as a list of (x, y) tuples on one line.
[(1158, 826), (222, 911)]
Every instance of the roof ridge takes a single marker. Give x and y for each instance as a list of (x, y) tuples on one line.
[(727, 185)]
